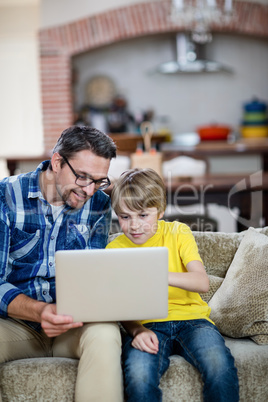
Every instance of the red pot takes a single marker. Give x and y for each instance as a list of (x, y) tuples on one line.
[(213, 132)]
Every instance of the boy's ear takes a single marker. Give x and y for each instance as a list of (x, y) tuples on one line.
[(161, 214)]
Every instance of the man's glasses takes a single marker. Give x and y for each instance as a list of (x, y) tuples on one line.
[(84, 181)]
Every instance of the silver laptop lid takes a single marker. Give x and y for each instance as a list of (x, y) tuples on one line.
[(112, 284)]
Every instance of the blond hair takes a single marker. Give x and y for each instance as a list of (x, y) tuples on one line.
[(139, 189)]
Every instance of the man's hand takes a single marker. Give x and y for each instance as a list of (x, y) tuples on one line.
[(146, 341), (26, 308), (54, 324)]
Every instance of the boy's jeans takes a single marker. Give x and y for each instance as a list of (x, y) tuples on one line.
[(200, 343)]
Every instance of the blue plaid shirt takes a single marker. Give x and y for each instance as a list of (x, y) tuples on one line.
[(30, 236)]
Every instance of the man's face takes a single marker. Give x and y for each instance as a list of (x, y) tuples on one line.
[(84, 163)]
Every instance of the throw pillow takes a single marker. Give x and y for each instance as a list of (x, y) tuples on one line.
[(214, 284), (239, 308)]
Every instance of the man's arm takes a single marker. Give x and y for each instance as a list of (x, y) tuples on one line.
[(25, 308)]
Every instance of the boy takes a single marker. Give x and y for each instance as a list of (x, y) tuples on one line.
[(139, 200)]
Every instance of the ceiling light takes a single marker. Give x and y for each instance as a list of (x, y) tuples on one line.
[(199, 15)]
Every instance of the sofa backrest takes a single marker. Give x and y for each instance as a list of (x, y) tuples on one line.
[(217, 249)]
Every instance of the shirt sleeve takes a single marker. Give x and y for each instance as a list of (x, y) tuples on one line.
[(187, 246), (100, 231), (8, 292)]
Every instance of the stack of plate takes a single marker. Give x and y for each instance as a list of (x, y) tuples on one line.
[(255, 121)]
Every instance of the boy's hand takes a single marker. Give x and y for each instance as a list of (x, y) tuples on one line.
[(146, 341)]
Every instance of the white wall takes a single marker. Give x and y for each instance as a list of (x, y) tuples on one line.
[(189, 100), (55, 12), (20, 105), (52, 10), (21, 118)]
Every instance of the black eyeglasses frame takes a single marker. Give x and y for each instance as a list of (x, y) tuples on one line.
[(100, 184)]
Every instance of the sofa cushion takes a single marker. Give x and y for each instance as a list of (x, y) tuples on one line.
[(209, 244), (217, 249), (53, 378), (214, 284), (239, 307), (43, 379), (182, 381)]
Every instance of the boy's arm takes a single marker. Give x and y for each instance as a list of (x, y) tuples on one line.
[(144, 339), (195, 280)]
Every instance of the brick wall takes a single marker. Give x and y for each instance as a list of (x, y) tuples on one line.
[(59, 44)]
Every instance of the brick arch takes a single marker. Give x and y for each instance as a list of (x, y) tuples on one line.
[(59, 44)]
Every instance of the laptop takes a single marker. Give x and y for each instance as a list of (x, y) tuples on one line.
[(112, 284)]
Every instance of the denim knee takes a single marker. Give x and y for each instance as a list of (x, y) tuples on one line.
[(202, 345), (141, 375), (220, 376)]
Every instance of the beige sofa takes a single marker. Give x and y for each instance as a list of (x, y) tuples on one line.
[(53, 379)]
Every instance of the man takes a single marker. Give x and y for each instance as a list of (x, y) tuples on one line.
[(58, 206)]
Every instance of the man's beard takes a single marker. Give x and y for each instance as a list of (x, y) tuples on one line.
[(66, 197)]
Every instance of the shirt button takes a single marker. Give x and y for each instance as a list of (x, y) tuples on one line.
[(52, 237), (50, 264), (44, 292)]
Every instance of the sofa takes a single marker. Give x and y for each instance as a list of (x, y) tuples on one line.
[(239, 308)]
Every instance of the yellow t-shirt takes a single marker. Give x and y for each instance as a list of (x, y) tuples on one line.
[(178, 238)]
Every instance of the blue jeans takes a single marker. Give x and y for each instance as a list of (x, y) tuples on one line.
[(200, 343)]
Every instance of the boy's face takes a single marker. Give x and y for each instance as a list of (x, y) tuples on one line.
[(139, 226)]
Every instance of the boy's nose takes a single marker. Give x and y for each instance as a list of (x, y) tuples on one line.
[(134, 223)]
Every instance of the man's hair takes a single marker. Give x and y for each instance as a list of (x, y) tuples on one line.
[(79, 138), (139, 189)]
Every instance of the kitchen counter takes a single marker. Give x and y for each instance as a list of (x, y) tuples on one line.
[(243, 156), (247, 191), (222, 147), (206, 149), (127, 143)]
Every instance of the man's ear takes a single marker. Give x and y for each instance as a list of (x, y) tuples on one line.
[(56, 162), (160, 215)]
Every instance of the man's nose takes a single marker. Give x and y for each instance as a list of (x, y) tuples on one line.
[(90, 189)]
